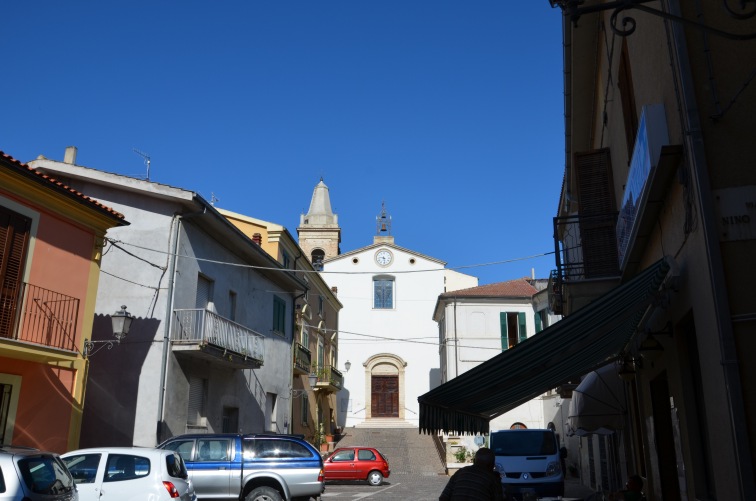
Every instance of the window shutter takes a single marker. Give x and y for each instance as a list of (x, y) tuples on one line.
[(597, 213), (504, 332), (523, 332), (14, 236), (196, 407), (203, 292), (538, 322)]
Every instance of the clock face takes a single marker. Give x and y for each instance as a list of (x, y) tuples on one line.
[(383, 257)]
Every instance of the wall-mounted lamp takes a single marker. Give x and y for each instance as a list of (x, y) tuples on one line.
[(650, 349), (121, 323), (347, 365), (627, 368), (313, 378)]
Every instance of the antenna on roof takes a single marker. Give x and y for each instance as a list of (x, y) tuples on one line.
[(146, 158), (213, 199)]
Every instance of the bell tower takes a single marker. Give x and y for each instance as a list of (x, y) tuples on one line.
[(318, 231), (383, 227)]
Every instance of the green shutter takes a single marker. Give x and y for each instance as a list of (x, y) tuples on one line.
[(538, 323), (503, 327), (523, 329)]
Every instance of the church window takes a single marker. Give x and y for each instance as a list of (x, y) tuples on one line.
[(383, 293)]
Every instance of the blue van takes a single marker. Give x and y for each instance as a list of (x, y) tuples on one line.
[(528, 462)]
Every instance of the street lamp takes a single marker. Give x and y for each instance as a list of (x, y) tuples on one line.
[(121, 323), (347, 365)]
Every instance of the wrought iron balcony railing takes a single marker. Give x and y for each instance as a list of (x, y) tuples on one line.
[(205, 327), (302, 359), (329, 377), (33, 314), (586, 247)]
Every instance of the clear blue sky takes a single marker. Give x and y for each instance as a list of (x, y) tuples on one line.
[(449, 111)]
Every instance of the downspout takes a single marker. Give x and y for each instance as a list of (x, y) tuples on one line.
[(176, 223), (694, 146), (456, 342)]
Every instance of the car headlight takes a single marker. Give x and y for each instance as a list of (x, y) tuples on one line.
[(553, 469)]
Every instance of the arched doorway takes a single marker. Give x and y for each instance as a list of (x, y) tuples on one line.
[(384, 386)]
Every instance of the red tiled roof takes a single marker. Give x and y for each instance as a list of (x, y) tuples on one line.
[(54, 184), (520, 287)]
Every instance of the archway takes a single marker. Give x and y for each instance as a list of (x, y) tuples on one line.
[(384, 386)]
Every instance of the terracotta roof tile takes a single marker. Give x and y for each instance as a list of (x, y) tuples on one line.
[(59, 186), (520, 287)]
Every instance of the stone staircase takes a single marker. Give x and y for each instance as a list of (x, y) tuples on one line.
[(408, 452)]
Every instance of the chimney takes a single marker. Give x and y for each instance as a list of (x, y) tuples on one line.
[(257, 238), (335, 290), (70, 157), (532, 273)]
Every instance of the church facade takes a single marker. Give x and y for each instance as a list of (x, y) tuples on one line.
[(388, 339)]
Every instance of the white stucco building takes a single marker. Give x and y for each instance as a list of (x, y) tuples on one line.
[(387, 332), (478, 323)]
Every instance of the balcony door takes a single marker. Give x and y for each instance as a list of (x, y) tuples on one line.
[(384, 396), (14, 238)]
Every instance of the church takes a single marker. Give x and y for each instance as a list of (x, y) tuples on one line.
[(388, 340)]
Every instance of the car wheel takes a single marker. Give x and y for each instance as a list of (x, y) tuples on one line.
[(264, 494), (375, 478)]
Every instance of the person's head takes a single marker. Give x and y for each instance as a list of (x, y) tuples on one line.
[(485, 458), (634, 483)]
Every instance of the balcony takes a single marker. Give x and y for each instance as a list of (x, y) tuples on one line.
[(586, 259), (330, 378), (302, 360), (32, 314), (203, 334)]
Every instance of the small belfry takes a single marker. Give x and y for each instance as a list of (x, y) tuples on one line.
[(383, 227), (319, 232)]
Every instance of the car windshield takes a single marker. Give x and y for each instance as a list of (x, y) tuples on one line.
[(523, 443)]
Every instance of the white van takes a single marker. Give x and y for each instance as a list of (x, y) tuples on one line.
[(528, 462)]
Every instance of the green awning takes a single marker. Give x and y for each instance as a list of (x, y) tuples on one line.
[(575, 345)]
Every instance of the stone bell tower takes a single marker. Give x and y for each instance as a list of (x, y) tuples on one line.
[(318, 231)]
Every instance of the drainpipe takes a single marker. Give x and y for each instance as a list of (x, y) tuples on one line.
[(176, 224), (456, 342), (694, 146)]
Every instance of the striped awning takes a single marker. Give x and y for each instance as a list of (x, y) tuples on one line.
[(574, 346)]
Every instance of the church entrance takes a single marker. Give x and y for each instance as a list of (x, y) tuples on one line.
[(384, 396)]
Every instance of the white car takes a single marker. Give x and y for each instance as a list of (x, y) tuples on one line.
[(129, 474)]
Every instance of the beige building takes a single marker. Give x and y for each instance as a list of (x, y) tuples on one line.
[(656, 230), (312, 409)]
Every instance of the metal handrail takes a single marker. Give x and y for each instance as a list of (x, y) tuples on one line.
[(205, 327)]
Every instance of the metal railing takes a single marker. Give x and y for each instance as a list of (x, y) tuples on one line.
[(40, 316), (205, 327), (329, 374), (302, 358), (586, 247)]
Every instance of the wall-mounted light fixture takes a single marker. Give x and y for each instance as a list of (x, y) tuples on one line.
[(627, 368), (347, 365), (121, 323), (576, 8), (313, 378)]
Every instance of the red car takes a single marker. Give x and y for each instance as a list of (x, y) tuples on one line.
[(357, 463)]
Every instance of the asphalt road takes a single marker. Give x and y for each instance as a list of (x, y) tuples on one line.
[(404, 487)]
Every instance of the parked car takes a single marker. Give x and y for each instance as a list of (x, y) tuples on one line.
[(250, 467), (129, 474), (357, 463), (28, 474)]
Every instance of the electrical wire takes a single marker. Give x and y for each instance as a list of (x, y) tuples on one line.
[(270, 268)]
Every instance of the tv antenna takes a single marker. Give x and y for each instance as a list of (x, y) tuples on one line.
[(146, 158)]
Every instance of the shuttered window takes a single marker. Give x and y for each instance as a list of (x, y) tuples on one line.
[(279, 315), (204, 292), (195, 415), (513, 328), (14, 238), (538, 322), (598, 213)]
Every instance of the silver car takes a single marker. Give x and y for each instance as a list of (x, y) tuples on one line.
[(129, 474), (32, 475)]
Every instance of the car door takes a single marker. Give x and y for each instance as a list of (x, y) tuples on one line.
[(341, 465), (211, 470), (88, 472), (364, 463)]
